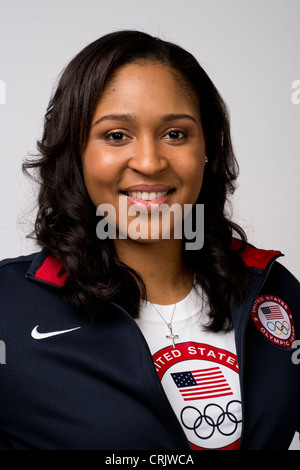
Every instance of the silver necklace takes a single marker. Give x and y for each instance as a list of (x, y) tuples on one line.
[(171, 335)]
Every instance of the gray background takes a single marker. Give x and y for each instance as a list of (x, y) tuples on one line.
[(250, 49)]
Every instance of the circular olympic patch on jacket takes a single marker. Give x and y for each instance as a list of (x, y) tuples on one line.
[(273, 318)]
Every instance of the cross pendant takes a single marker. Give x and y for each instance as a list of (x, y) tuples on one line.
[(171, 336)]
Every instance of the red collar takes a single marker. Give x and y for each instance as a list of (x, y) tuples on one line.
[(255, 257), (50, 271)]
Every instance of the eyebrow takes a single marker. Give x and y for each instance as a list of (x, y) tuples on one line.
[(131, 117)]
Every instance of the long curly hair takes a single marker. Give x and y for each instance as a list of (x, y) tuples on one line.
[(66, 220)]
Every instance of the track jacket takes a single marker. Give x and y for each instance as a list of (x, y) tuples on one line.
[(67, 383)]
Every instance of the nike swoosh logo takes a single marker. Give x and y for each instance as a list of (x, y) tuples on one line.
[(36, 335)]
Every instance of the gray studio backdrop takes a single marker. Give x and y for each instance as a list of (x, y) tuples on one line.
[(250, 49)]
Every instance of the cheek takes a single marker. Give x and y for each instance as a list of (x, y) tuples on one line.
[(195, 188), (98, 176), (92, 163), (192, 174), (98, 165)]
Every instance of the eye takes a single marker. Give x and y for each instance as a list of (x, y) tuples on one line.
[(115, 136), (176, 134)]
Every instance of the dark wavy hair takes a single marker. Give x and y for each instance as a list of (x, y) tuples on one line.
[(66, 221)]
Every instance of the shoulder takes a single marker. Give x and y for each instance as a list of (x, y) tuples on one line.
[(282, 279), (41, 267), (266, 260), (17, 264), (21, 295), (13, 273)]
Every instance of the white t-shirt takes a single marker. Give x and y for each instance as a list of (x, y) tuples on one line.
[(200, 375)]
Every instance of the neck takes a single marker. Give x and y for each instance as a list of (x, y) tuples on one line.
[(160, 266)]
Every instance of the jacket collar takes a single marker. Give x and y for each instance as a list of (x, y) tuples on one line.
[(47, 269), (255, 257)]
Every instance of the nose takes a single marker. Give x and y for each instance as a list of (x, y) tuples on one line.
[(147, 157)]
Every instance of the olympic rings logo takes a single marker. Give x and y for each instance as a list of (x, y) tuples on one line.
[(204, 420), (279, 328)]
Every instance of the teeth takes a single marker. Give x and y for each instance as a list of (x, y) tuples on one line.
[(153, 196), (147, 196)]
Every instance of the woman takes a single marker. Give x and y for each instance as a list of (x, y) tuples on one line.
[(120, 335)]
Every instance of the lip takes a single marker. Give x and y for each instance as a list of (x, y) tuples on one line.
[(148, 188)]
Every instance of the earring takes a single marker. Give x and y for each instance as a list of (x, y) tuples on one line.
[(206, 160)]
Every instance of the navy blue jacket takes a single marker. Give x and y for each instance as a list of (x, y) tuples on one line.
[(96, 387)]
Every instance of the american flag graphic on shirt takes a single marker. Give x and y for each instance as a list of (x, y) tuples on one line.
[(272, 312), (201, 384)]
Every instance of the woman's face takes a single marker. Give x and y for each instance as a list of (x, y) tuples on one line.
[(145, 148)]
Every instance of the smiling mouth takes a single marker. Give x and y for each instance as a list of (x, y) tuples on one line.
[(147, 196), (148, 201)]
